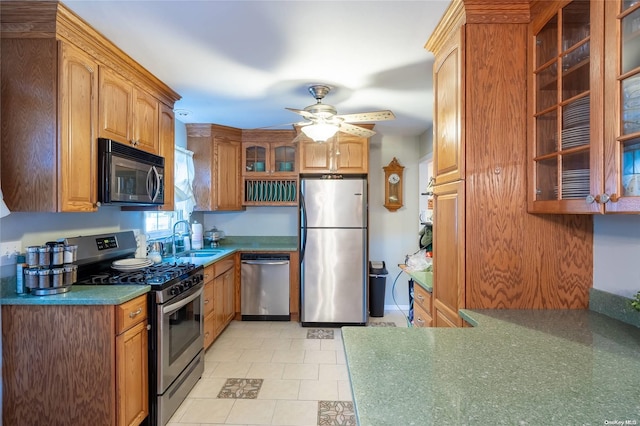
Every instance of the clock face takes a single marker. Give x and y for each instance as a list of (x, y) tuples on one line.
[(394, 178)]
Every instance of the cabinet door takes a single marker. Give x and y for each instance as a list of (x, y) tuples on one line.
[(116, 103), (229, 295), (167, 150), (218, 303), (145, 121), (449, 252), (227, 174), (352, 154), (622, 121), (449, 89), (283, 158), (314, 157), (566, 172), (132, 382), (256, 159), (78, 83)]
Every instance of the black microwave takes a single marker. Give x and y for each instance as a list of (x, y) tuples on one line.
[(129, 176)]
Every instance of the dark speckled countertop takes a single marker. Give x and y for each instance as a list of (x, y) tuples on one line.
[(516, 367)]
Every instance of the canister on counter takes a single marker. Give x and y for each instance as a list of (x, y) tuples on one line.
[(43, 256), (57, 254), (32, 256), (44, 275), (57, 277), (70, 253), (31, 277), (70, 274)]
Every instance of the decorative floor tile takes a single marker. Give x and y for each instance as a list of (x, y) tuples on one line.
[(382, 324), (240, 388), (336, 413), (319, 333)]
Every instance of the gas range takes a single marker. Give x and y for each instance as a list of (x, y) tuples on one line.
[(96, 254)]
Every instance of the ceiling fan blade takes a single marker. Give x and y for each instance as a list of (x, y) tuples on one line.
[(368, 116), (302, 112), (356, 130)]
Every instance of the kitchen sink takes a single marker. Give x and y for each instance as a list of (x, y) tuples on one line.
[(207, 253)]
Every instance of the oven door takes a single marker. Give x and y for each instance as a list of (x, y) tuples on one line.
[(180, 334)]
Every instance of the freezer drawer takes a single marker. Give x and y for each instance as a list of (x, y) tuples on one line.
[(264, 287)]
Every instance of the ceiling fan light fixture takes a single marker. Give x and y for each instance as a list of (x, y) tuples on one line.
[(320, 132)]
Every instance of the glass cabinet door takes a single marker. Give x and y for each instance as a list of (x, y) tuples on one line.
[(630, 98), (284, 158), (562, 153), (623, 132), (255, 159)]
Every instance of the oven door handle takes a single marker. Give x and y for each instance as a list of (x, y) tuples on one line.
[(179, 304)]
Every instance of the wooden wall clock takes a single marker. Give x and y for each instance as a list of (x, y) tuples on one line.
[(393, 180)]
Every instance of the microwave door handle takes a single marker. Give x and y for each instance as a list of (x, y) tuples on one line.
[(150, 183), (155, 185)]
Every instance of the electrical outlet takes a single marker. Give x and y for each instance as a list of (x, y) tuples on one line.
[(8, 252)]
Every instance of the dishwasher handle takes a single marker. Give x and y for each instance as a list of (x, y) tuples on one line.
[(265, 262)]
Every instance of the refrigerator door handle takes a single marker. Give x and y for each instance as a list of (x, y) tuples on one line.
[(303, 223)]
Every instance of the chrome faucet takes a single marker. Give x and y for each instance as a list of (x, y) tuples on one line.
[(173, 235)]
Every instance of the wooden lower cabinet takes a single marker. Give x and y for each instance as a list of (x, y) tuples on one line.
[(422, 306), (75, 364), (219, 297)]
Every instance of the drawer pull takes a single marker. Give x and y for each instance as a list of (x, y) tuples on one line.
[(420, 297), (206, 301), (419, 320), (136, 313)]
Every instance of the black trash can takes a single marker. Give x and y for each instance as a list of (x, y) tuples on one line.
[(377, 281)]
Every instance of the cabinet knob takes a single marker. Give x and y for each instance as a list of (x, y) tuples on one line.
[(590, 199), (603, 198)]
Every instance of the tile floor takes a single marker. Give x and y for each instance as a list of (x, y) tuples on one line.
[(275, 373)]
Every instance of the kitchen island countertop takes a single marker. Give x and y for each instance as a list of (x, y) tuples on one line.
[(516, 367)]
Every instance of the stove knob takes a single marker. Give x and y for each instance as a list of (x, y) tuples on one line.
[(174, 291)]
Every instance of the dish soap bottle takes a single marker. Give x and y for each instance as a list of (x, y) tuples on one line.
[(197, 234)]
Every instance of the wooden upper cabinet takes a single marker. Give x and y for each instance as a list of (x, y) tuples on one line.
[(78, 155), (584, 138), (128, 114), (448, 159), (217, 160), (343, 153), (116, 103), (43, 170), (146, 115), (268, 153), (167, 150)]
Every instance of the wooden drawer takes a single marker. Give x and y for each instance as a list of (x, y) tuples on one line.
[(223, 265), (131, 313), (422, 297), (209, 273), (420, 317), (208, 298), (209, 329)]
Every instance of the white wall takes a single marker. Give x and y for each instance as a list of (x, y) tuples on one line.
[(616, 254)]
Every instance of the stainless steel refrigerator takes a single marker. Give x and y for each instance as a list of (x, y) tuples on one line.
[(333, 251)]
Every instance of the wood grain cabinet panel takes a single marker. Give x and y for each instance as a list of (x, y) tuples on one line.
[(344, 153), (167, 150), (489, 252), (219, 297), (217, 157), (60, 92), (43, 169), (84, 358)]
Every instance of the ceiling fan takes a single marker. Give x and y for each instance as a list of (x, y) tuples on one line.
[(322, 121)]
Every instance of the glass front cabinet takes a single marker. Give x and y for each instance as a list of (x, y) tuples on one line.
[(584, 138)]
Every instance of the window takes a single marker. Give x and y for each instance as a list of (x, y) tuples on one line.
[(158, 224)]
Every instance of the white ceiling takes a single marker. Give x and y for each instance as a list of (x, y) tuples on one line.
[(240, 63)]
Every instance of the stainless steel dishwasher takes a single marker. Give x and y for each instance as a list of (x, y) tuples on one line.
[(265, 287)]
